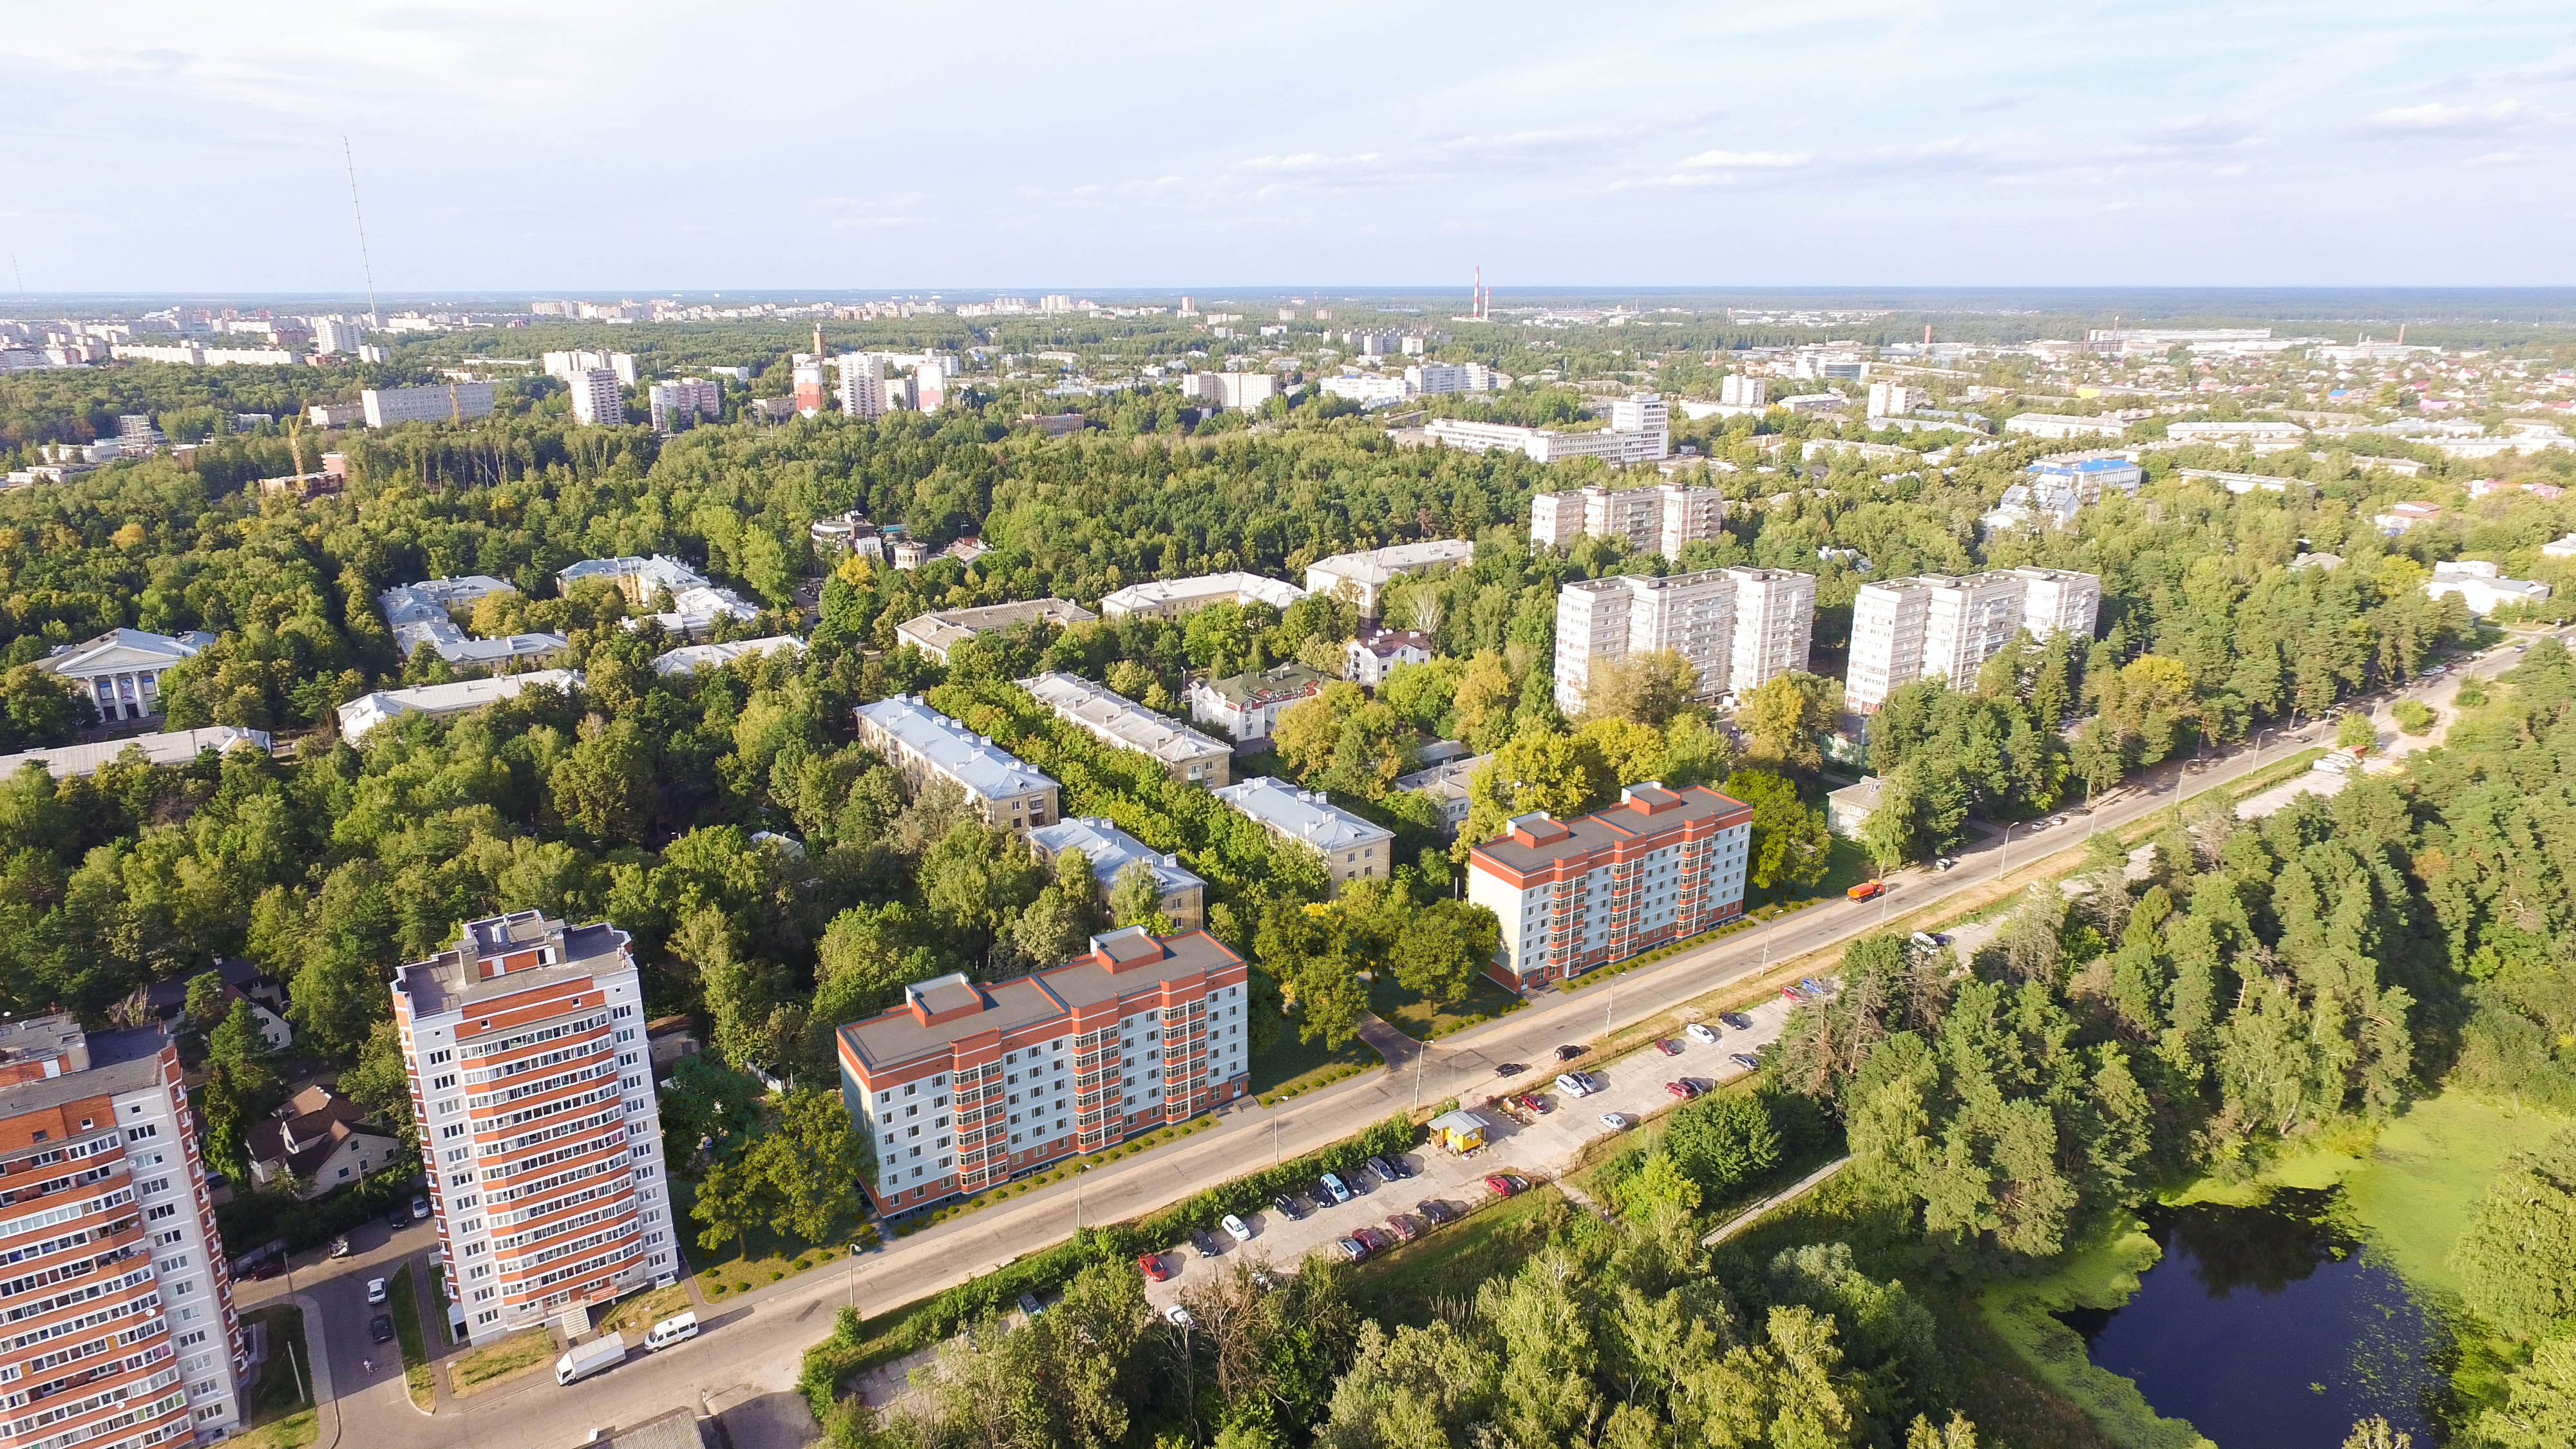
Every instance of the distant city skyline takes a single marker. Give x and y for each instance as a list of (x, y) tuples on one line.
[(165, 148)]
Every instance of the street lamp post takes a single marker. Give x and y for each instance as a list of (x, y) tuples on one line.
[(2258, 748)]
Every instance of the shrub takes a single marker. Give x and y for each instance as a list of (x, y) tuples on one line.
[(2412, 715)]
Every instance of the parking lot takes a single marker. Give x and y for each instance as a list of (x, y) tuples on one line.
[(1532, 1147)]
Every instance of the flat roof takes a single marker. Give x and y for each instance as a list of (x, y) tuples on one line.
[(1614, 826), (943, 629), (1304, 814), (1377, 565), (119, 1062), (897, 1035), (1277, 593), (1110, 849), (956, 751), (177, 747), (445, 982), (1103, 711)]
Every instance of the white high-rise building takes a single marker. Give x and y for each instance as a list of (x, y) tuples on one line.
[(441, 403), (597, 400), (524, 1044), (680, 403), (583, 359), (1660, 519), (1775, 622), (1740, 391), (1894, 399), (930, 385), (336, 334), (1433, 378), (121, 1332), (1648, 417), (1939, 625), (863, 391)]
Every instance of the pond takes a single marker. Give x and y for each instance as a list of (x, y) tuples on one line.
[(2270, 1328)]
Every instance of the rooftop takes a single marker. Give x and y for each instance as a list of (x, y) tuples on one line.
[(1206, 588), (367, 711), (1378, 565), (1107, 713), (1286, 681), (1304, 814), (475, 968), (942, 630), (100, 1063), (177, 747), (1110, 850), (947, 1009), (1535, 842), (657, 572), (954, 750), (690, 657)]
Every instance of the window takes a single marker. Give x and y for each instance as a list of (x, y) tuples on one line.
[(132, 1134), (441, 1058), (441, 1084)]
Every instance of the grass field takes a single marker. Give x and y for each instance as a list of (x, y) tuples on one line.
[(759, 1258), (499, 1362), (402, 1300), (1410, 1013), (1450, 1261), (274, 1408), (1290, 1061), (637, 1315)]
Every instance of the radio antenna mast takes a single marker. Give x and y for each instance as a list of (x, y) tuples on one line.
[(365, 264)]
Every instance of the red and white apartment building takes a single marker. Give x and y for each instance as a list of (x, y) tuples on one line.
[(117, 1328), (1658, 866), (966, 1085), (534, 1092)]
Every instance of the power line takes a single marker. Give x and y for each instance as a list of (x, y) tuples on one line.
[(364, 263)]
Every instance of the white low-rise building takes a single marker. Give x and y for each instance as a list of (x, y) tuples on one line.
[(1639, 432), (1368, 655), (1247, 706), (1172, 598), (1368, 573), (1110, 850), (361, 715), (934, 634), (2482, 586), (689, 658), (121, 669), (1351, 848), (1189, 757), (922, 744), (420, 614), (177, 747), (2064, 425), (1446, 781)]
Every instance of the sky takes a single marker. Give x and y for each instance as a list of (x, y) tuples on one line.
[(651, 147)]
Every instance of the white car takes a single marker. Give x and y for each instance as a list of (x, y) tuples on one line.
[(1574, 1084), (1178, 1316), (1235, 1229), (1701, 1032), (375, 1290), (1617, 1121)]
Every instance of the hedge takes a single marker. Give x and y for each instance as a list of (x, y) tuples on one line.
[(942, 1314)]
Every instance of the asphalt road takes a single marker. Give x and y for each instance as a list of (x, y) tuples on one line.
[(744, 1362)]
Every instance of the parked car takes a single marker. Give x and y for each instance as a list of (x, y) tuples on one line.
[(1436, 1210), (1178, 1316), (1511, 1069), (375, 1290), (1235, 1229), (1378, 1242), (1336, 1191), (1403, 1227), (1352, 1248), (1289, 1207), (1206, 1246), (1501, 1185), (1924, 941), (1568, 1053), (1154, 1266), (1736, 1019), (1617, 1121), (1680, 1090), (1944, 862), (1264, 1280), (1668, 1046), (1748, 1061), (1867, 890), (1574, 1084), (381, 1328), (1030, 1307), (1391, 1169), (1790, 993), (394, 1216), (1701, 1032), (1537, 1102), (340, 1246), (419, 1208)]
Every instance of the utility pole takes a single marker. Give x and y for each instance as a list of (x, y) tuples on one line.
[(1421, 1049), (367, 264), (2002, 851)]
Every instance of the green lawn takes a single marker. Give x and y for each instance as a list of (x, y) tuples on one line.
[(1415, 1015), (1292, 1060), (499, 1361), (283, 1389), (759, 1258), (402, 1300), (1404, 1286)]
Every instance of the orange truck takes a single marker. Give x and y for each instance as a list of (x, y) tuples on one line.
[(1866, 889)]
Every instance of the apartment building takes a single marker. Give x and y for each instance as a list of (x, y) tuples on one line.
[(1916, 628), (1659, 866), (383, 407), (1172, 598), (1433, 378), (120, 1328), (1648, 419), (1740, 391), (923, 744), (1738, 627), (597, 400), (679, 404), (574, 361), (1183, 899), (1247, 706), (1237, 390), (1369, 572), (1369, 654), (1189, 757), (1661, 519), (967, 1085), (1351, 848), (524, 1046), (863, 390), (941, 630)]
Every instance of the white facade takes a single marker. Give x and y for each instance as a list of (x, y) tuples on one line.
[(121, 669), (1741, 391), (1222, 390), (524, 1046), (1370, 572), (1647, 418), (1938, 625), (448, 402), (1368, 655), (597, 400), (1171, 598), (2482, 586), (2063, 425), (1738, 627), (1351, 848), (1433, 378), (1895, 399), (863, 390), (1639, 432), (680, 403), (363, 714), (568, 365), (1661, 519)]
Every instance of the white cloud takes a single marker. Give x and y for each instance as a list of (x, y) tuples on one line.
[(1743, 160), (2433, 117)]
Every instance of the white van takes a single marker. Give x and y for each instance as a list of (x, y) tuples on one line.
[(679, 1328)]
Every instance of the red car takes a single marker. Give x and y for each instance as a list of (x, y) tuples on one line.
[(1668, 1047), (1404, 1227), (1790, 994), (1678, 1090), (1154, 1267), (1501, 1186), (1375, 1241), (1535, 1103)]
